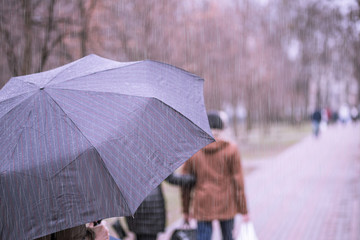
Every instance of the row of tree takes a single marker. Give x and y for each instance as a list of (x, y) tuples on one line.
[(278, 60)]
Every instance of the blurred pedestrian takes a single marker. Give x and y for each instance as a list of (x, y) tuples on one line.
[(334, 117), (316, 119), (219, 192), (150, 218), (354, 113), (344, 114)]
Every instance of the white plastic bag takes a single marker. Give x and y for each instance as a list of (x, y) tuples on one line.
[(246, 232)]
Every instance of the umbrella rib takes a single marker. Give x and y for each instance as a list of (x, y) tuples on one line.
[(124, 94), (104, 166), (23, 80), (172, 66), (1, 101), (112, 179), (22, 130), (207, 135), (70, 119), (16, 104), (91, 146), (134, 63), (89, 74), (69, 66)]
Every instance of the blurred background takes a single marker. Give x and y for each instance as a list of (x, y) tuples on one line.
[(267, 64), (263, 61)]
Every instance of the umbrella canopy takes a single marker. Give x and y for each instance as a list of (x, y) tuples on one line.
[(89, 140)]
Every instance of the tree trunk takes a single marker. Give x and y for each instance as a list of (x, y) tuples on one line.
[(27, 54), (235, 119)]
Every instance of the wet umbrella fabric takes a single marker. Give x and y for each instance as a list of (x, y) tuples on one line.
[(89, 140)]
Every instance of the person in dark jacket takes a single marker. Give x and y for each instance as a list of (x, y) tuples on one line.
[(316, 119), (150, 218)]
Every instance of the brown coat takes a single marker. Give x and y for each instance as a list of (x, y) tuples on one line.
[(219, 190)]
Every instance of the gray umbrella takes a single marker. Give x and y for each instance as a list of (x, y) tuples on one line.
[(89, 140)]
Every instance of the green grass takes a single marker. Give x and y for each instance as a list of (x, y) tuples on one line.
[(261, 144)]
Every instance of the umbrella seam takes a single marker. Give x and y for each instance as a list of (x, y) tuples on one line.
[(87, 140), (207, 137), (23, 80), (13, 150), (25, 175), (22, 130), (149, 98), (16, 104), (129, 65), (155, 98), (59, 171), (69, 119), (85, 90), (31, 83), (172, 66), (100, 142), (104, 166), (1, 101), (91, 147), (69, 66), (112, 179), (89, 74)]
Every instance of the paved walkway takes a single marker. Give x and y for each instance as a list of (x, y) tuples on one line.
[(309, 192)]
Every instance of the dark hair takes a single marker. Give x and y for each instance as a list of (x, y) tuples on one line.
[(215, 121), (90, 234)]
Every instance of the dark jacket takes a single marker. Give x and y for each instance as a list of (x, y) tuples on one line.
[(316, 116), (150, 217)]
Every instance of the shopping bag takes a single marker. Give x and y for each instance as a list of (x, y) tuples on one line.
[(184, 233), (246, 232)]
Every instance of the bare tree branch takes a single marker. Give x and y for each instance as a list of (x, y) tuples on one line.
[(9, 49)]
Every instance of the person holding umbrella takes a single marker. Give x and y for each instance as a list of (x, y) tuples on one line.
[(219, 191), (82, 232)]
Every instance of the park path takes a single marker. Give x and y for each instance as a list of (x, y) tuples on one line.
[(311, 191)]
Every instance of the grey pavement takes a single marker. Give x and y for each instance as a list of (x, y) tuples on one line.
[(311, 191)]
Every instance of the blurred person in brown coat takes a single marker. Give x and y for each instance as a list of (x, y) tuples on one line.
[(219, 190)]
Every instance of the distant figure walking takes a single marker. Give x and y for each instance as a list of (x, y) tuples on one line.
[(344, 114), (354, 113), (219, 190), (316, 119)]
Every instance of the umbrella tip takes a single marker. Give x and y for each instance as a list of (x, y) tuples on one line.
[(42, 88)]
